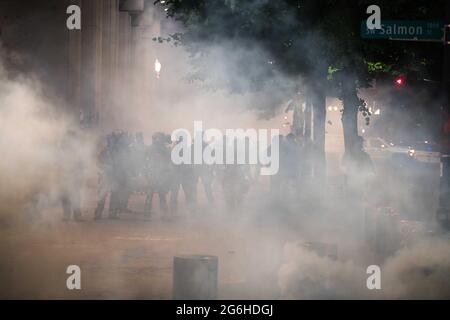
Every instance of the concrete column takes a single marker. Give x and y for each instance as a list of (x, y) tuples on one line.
[(110, 12), (124, 71), (91, 56), (74, 68)]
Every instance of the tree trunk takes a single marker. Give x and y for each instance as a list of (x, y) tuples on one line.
[(319, 110), (308, 118), (350, 118)]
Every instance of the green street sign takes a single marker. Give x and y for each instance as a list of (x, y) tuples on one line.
[(420, 30)]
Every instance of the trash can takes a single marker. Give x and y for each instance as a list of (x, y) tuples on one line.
[(195, 277)]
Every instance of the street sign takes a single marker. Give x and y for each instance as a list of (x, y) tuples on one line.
[(419, 30)]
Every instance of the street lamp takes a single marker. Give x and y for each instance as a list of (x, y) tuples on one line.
[(157, 68)]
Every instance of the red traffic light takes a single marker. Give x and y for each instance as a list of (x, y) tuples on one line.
[(399, 81)]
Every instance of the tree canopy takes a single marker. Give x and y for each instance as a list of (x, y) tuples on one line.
[(308, 42), (306, 38)]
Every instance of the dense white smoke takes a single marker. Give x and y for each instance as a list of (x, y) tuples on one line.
[(254, 238), (32, 125), (306, 275), (419, 271)]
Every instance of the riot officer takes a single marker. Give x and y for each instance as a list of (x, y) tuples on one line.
[(158, 171), (105, 176), (285, 182), (137, 164), (71, 174), (184, 176), (121, 175), (206, 176), (358, 168), (236, 180)]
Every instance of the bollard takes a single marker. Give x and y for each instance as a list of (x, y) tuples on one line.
[(195, 277)]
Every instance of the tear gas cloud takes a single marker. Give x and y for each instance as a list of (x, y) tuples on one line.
[(269, 232), (32, 125)]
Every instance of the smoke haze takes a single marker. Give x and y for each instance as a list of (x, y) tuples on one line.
[(260, 246)]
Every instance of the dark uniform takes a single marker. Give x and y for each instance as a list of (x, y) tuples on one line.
[(138, 150), (71, 174), (285, 182), (159, 172), (136, 165), (105, 176), (235, 178), (121, 186), (205, 173), (359, 170), (236, 181), (184, 176)]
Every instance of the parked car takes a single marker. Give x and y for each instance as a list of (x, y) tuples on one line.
[(380, 149), (426, 151)]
